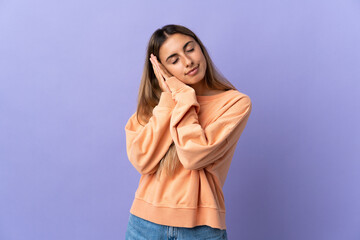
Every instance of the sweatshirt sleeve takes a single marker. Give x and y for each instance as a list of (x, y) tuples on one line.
[(199, 147), (147, 144)]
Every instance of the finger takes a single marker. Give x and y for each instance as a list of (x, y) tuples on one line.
[(155, 61), (153, 67), (158, 68), (159, 76), (161, 73), (156, 72), (162, 69)]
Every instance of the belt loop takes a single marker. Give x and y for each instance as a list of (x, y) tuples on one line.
[(172, 232)]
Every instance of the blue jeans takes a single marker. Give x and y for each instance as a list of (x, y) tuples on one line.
[(141, 229)]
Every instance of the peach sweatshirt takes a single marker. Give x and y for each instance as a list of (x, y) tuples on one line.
[(205, 131)]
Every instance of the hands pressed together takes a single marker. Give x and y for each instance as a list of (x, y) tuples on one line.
[(161, 73)]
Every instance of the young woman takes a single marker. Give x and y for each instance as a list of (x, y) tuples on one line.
[(181, 139)]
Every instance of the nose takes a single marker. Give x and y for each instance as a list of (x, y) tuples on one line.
[(188, 61)]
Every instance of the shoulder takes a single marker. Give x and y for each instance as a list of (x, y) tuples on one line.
[(231, 101), (237, 101), (237, 95)]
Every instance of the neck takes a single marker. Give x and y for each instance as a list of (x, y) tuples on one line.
[(200, 88)]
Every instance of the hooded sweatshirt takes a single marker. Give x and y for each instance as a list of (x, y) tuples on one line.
[(205, 131)]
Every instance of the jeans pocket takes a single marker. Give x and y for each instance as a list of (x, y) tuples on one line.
[(207, 232)]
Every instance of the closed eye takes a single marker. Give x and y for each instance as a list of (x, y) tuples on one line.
[(187, 51)]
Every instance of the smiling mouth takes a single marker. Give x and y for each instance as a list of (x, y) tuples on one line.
[(192, 70)]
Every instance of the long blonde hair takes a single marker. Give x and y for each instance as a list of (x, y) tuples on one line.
[(150, 91)]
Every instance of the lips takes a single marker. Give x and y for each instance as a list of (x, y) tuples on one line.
[(192, 70)]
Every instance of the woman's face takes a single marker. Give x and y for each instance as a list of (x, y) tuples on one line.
[(180, 54)]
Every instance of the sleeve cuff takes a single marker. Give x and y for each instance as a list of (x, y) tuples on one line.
[(175, 84), (166, 100), (182, 93)]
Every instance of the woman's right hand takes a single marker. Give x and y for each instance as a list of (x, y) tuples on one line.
[(161, 74)]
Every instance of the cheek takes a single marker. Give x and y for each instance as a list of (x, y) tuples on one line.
[(175, 70), (202, 57), (203, 61)]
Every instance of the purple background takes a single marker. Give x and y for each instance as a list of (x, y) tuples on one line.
[(70, 72)]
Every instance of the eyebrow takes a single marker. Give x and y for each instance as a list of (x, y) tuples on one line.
[(172, 55)]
